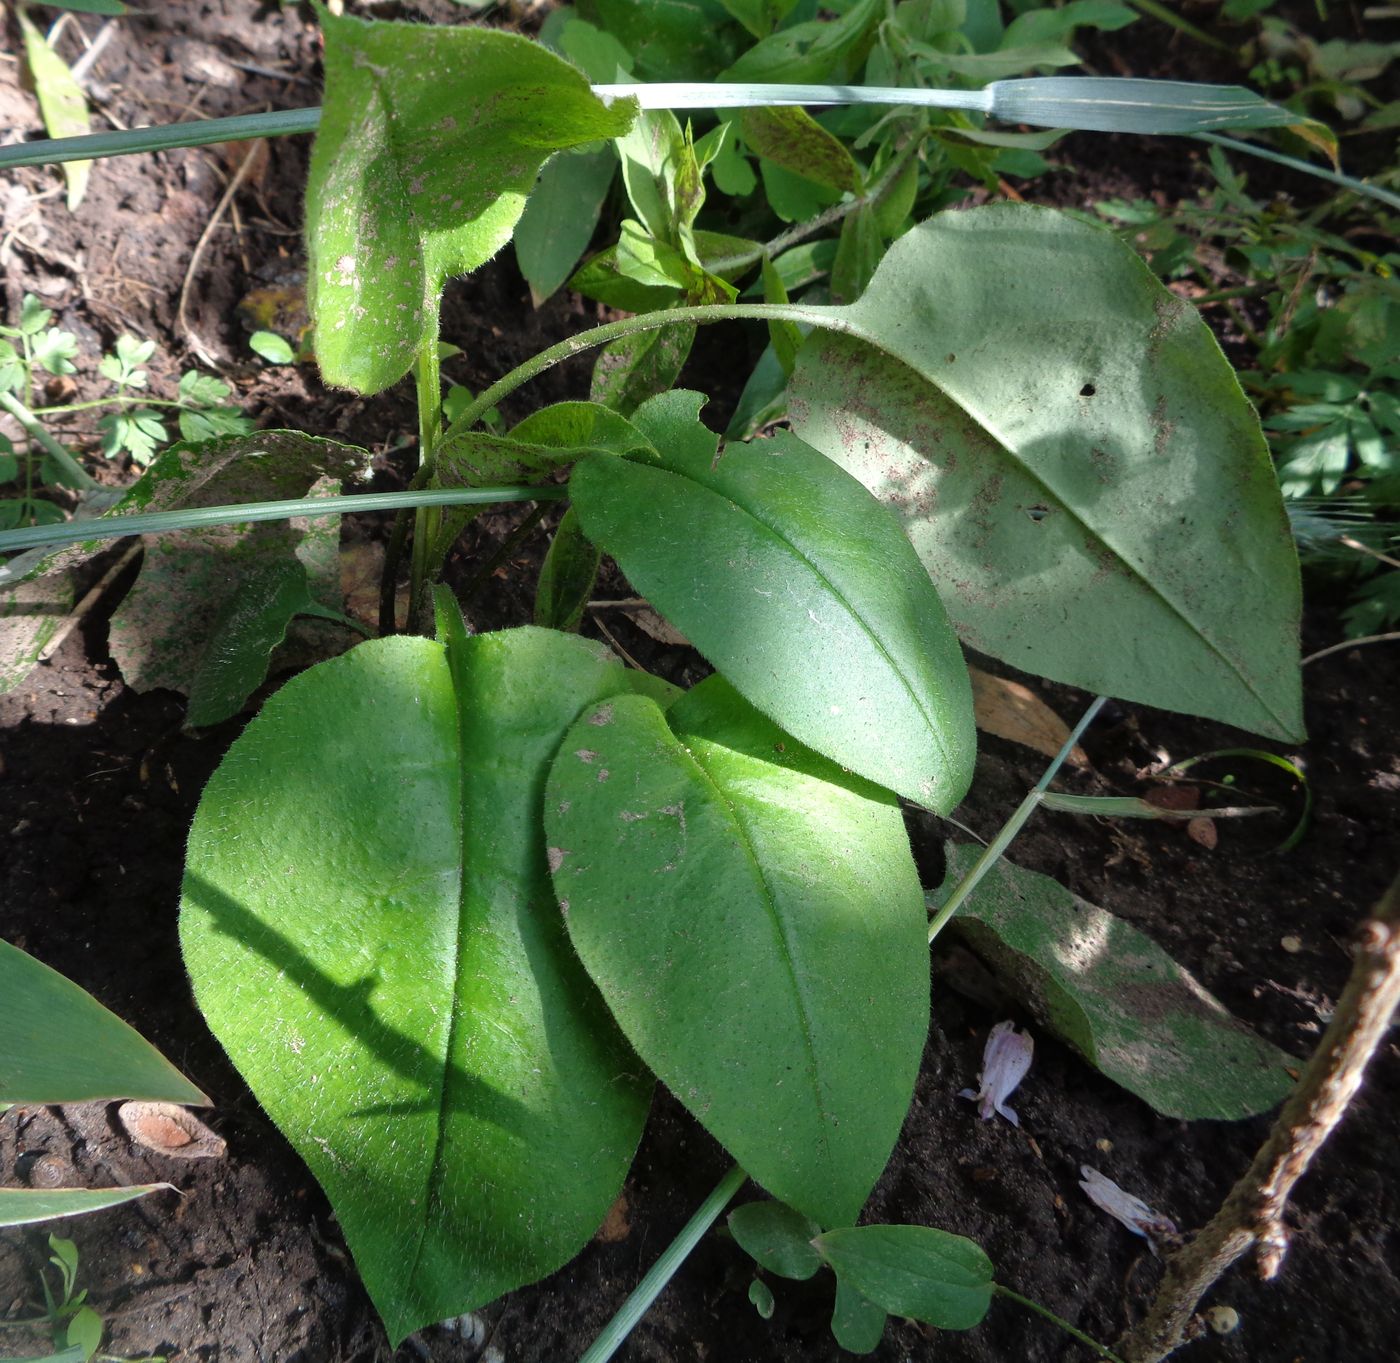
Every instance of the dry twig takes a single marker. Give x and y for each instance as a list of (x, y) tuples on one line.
[(1252, 1215)]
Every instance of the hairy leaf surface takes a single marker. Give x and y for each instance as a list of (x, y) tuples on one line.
[(430, 141), (1117, 997), (1073, 459), (799, 588), (746, 911), (371, 931)]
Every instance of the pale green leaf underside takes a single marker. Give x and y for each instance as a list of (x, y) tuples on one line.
[(801, 590), (1117, 997), (1074, 461), (749, 922), (26, 1206), (59, 1045), (430, 139), (371, 932)]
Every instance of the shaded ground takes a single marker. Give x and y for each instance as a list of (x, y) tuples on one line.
[(98, 785)]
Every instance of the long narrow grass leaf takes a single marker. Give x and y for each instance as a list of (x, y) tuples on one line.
[(1105, 104), (155, 522)]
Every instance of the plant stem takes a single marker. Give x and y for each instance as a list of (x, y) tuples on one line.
[(802, 230), (76, 475), (1293, 163), (1252, 1215), (991, 854), (829, 318), (1153, 9), (663, 1270), (156, 522), (1102, 1350), (427, 519), (1350, 643)]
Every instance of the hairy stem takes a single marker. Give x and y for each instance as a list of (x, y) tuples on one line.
[(74, 474), (826, 317), (799, 232)]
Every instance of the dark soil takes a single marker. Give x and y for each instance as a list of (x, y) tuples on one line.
[(98, 786)]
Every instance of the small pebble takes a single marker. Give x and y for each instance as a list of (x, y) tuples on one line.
[(1104, 1144), (1223, 1320), (1292, 945)]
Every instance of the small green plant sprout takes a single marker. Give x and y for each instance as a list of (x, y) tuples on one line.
[(1005, 1062), (74, 1327), (916, 1272)]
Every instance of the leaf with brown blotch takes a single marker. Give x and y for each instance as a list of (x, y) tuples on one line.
[(1009, 710), (170, 1130)]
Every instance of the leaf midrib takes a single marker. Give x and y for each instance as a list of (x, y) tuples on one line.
[(859, 330), (774, 533), (770, 902)]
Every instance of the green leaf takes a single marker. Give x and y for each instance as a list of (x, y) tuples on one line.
[(73, 1355), (799, 588), (91, 6), (761, 1295), (858, 254), (55, 349), (669, 39), (1074, 461), (546, 441), (635, 368), (83, 1331), (559, 218), (745, 909), (59, 1045), (856, 1322), (27, 1206), (813, 51), (253, 621), (430, 140), (914, 1271), (760, 17), (790, 137), (1124, 104), (405, 1005), (205, 590), (61, 101), (566, 579), (1117, 997), (777, 1238), (273, 348), (1051, 25)]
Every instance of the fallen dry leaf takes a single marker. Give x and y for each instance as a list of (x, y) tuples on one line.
[(169, 1129), (649, 622), (361, 566), (616, 1225), (1203, 831), (1174, 798), (1014, 712)]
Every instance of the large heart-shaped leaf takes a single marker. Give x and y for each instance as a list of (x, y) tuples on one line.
[(371, 931), (1072, 458), (749, 915), (430, 140), (59, 1045), (799, 587), (1115, 996)]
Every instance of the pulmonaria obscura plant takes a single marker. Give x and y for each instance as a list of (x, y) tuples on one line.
[(454, 903)]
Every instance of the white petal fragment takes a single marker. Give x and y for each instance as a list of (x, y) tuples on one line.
[(1005, 1061)]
